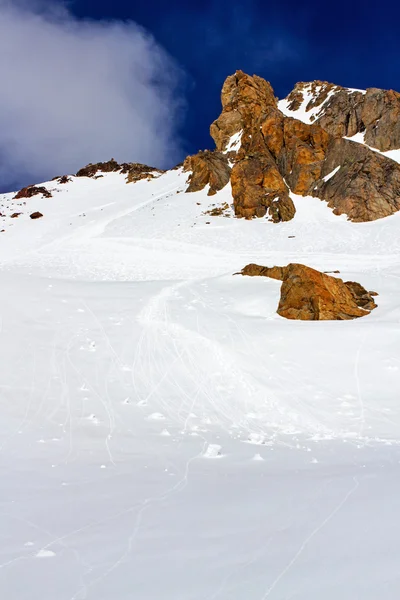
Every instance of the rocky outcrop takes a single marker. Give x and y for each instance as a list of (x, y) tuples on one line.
[(134, 171), (309, 295), (311, 94), (32, 190), (249, 109), (362, 298), (64, 179), (365, 185), (207, 168), (244, 101), (345, 112), (376, 113), (253, 270), (36, 215), (278, 155)]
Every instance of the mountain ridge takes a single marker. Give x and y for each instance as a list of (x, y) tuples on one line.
[(322, 140)]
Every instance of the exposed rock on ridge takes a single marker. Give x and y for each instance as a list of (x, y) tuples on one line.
[(315, 93), (376, 113), (207, 168), (309, 295), (32, 190), (134, 171), (345, 112), (279, 155)]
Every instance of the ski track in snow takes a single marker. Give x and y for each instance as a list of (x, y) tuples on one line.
[(169, 430)]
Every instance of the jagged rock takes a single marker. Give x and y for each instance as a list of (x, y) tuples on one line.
[(207, 168), (134, 171), (253, 270), (366, 185), (309, 295), (32, 190), (15, 215), (104, 167), (362, 298), (316, 92), (244, 100), (346, 112), (64, 179), (36, 215), (248, 104), (279, 154), (257, 187), (302, 156)]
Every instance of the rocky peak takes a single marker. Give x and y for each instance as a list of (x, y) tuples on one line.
[(269, 154), (243, 99), (345, 112), (310, 96), (376, 113)]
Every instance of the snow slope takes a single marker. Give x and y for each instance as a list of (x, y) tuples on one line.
[(164, 434)]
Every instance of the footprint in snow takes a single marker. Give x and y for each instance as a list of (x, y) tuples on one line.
[(156, 417), (256, 438), (213, 451), (258, 458), (93, 419), (45, 554)]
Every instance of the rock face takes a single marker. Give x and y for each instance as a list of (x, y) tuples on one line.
[(134, 171), (249, 110), (365, 185), (312, 95), (271, 155), (309, 295), (207, 168), (345, 112), (32, 190), (376, 113)]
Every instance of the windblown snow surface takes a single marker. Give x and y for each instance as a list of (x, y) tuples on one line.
[(164, 434)]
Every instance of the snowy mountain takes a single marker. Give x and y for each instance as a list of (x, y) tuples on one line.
[(164, 433)]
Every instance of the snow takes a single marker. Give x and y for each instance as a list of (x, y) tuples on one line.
[(331, 174), (163, 432), (302, 114), (359, 138), (310, 116), (393, 154), (234, 143)]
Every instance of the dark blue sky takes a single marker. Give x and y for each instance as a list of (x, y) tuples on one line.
[(354, 43), (82, 82)]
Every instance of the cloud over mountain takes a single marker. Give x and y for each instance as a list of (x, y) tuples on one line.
[(76, 91)]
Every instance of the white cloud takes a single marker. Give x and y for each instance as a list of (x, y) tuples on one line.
[(73, 92)]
